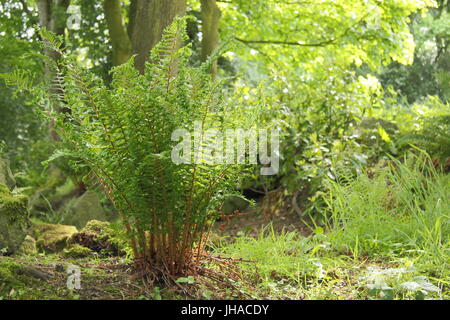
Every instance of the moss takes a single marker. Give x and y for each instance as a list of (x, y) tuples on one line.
[(52, 237), (17, 205), (28, 246), (4, 189), (100, 237), (14, 284), (76, 251), (7, 271), (14, 219), (99, 227)]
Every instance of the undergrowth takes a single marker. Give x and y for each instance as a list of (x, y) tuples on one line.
[(387, 237)]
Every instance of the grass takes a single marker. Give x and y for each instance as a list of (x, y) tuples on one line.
[(402, 210), (387, 237)]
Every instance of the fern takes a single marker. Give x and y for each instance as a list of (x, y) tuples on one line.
[(123, 132), (20, 78)]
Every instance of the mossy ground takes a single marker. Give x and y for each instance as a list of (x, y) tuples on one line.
[(101, 279)]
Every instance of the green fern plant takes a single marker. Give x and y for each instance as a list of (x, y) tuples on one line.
[(123, 134)]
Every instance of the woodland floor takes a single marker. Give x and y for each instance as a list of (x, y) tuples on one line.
[(113, 278), (282, 278)]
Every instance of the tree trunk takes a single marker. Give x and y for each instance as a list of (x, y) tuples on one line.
[(121, 44), (210, 30), (149, 21), (146, 23), (52, 17)]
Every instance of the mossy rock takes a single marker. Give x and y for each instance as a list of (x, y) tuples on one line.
[(14, 220), (6, 176), (100, 237), (76, 251), (102, 228), (9, 277), (28, 246), (80, 210), (52, 237)]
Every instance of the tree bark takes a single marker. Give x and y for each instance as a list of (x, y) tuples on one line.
[(120, 41), (150, 19), (52, 17), (210, 30), (146, 23)]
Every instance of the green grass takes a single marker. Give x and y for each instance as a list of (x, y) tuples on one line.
[(404, 209), (387, 237)]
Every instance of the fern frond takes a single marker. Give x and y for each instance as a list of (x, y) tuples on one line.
[(23, 79)]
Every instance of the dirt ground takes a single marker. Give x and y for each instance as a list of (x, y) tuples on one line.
[(251, 223)]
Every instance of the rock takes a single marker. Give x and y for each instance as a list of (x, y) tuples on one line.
[(76, 251), (235, 203), (53, 237), (99, 237), (28, 246), (14, 220), (80, 210), (6, 176)]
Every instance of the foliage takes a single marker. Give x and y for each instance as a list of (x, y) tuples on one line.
[(20, 127), (428, 75), (318, 63), (385, 284), (354, 87), (123, 137), (86, 38), (306, 35), (290, 266), (432, 132)]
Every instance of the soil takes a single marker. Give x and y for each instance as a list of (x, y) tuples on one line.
[(252, 223)]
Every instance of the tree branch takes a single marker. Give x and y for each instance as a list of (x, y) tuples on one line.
[(299, 43), (287, 43)]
